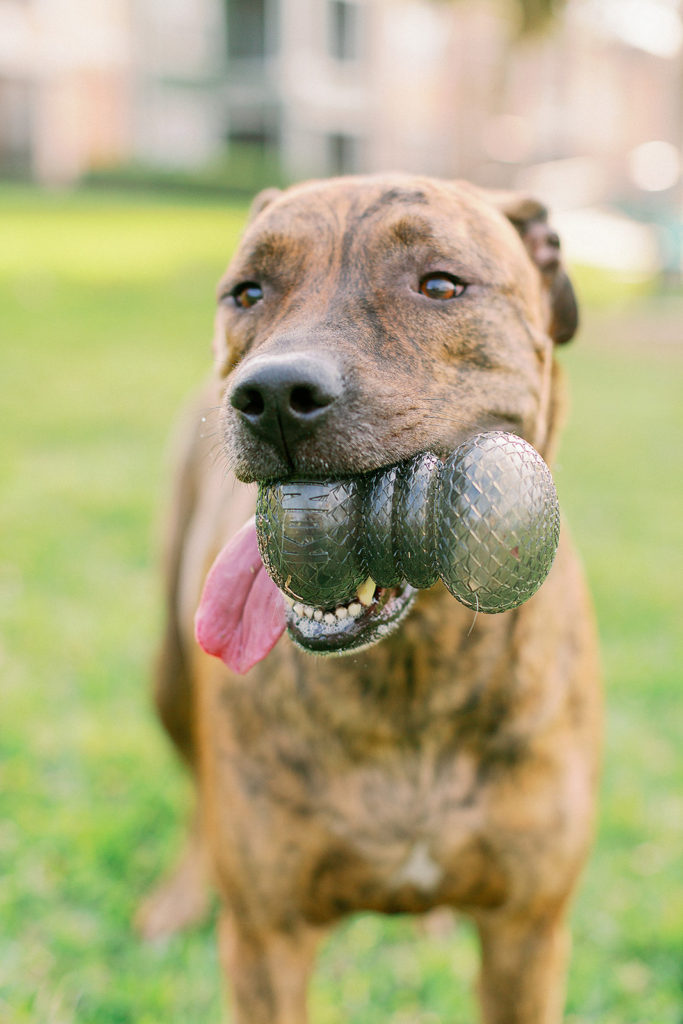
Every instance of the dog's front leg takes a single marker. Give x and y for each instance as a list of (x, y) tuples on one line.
[(267, 971), (523, 969)]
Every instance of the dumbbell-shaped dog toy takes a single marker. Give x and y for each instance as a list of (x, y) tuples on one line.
[(485, 521)]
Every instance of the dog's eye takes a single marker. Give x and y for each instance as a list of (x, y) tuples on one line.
[(247, 294), (442, 286)]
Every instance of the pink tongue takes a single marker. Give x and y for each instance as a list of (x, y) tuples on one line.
[(241, 614)]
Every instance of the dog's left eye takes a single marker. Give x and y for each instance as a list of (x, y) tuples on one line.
[(247, 294), (442, 286)]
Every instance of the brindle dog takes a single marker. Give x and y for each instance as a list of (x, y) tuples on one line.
[(361, 321)]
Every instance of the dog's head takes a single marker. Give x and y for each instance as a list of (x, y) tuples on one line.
[(363, 320)]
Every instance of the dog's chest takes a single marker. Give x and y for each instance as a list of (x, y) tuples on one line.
[(400, 833), (372, 777), (376, 820)]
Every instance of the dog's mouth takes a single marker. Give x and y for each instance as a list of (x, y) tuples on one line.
[(370, 616), (242, 614)]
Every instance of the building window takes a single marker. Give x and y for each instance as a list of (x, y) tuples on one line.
[(259, 138), (344, 29), (343, 153), (247, 35)]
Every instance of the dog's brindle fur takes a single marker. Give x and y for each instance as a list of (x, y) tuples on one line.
[(454, 763)]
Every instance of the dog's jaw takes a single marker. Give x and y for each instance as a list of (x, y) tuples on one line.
[(357, 627)]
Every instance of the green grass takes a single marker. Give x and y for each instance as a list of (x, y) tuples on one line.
[(106, 311)]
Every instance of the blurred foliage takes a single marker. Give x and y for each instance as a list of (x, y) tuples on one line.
[(536, 14), (531, 16), (107, 311)]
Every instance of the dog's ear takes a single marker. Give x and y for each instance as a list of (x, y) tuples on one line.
[(530, 218), (261, 200)]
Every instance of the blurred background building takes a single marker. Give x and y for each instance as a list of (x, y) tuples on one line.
[(586, 112)]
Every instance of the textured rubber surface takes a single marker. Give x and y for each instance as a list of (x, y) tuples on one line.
[(378, 505), (499, 525), (486, 521), (309, 539), (414, 521)]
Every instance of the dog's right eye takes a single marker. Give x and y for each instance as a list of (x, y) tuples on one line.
[(247, 294), (442, 286)]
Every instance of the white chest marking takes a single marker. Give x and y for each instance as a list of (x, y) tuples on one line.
[(419, 869)]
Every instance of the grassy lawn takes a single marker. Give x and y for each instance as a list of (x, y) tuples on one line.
[(106, 311)]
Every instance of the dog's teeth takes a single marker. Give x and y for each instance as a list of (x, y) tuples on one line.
[(355, 609), (299, 608), (308, 611), (318, 614), (366, 591), (341, 612), (289, 600), (329, 618)]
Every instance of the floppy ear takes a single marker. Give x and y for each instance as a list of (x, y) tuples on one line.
[(530, 218), (261, 200)]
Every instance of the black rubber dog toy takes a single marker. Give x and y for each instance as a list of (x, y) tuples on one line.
[(486, 522)]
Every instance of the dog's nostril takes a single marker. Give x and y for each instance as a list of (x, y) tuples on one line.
[(289, 393), (303, 400), (250, 402)]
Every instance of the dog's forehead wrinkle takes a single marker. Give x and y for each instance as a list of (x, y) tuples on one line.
[(292, 230), (394, 197), (410, 230), (274, 256), (423, 245), (270, 247)]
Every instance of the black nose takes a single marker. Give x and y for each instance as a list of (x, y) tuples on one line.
[(284, 397)]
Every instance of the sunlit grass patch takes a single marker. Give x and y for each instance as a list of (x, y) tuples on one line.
[(95, 239)]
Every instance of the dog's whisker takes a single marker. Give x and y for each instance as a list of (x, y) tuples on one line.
[(474, 618)]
